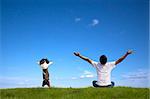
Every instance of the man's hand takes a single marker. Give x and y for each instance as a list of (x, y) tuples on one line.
[(77, 53), (129, 52)]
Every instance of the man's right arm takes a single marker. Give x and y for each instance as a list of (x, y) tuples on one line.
[(82, 57)]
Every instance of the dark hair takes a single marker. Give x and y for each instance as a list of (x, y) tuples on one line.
[(44, 60), (103, 59)]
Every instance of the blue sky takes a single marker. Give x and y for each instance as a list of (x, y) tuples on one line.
[(35, 29)]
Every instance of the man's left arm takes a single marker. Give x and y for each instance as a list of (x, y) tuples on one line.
[(123, 57)]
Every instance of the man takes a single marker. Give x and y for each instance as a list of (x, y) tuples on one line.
[(104, 69), (44, 64)]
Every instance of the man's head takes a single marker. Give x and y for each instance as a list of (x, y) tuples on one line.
[(43, 61), (103, 59)]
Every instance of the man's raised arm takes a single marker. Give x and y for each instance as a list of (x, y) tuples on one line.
[(123, 57), (82, 57)]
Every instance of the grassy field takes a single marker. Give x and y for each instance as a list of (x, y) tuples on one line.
[(75, 93)]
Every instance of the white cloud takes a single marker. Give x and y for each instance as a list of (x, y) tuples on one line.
[(137, 78), (82, 76), (137, 75), (73, 78), (94, 22), (12, 82), (77, 19), (87, 74), (90, 76)]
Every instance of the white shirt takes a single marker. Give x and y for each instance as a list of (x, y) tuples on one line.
[(103, 72), (45, 65)]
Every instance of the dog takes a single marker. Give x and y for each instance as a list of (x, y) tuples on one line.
[(44, 64)]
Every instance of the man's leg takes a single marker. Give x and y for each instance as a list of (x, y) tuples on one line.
[(94, 84), (112, 84)]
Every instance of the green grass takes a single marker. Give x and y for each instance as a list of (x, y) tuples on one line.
[(75, 93)]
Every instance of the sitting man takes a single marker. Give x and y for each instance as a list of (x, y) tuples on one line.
[(103, 69)]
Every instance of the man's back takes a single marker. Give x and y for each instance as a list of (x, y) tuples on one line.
[(103, 72)]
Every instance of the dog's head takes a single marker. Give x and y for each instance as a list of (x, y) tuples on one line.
[(42, 61)]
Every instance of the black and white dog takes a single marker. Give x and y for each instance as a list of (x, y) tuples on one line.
[(44, 64)]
